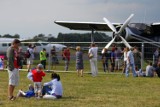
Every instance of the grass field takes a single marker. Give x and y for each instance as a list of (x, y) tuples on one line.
[(105, 90)]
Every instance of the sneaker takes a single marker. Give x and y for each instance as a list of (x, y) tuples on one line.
[(19, 93), (38, 97), (12, 98)]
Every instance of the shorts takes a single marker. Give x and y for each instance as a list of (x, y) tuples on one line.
[(13, 77), (29, 61), (37, 87)]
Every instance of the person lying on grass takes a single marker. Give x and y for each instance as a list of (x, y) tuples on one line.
[(28, 94)]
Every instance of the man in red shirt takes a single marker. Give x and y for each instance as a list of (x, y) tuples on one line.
[(66, 55), (12, 65)]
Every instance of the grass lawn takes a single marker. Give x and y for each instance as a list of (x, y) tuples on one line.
[(105, 90)]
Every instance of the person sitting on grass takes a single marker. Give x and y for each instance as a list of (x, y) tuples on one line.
[(36, 76), (140, 73), (53, 89), (150, 70), (27, 94)]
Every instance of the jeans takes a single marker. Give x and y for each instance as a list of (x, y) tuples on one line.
[(46, 90), (66, 64), (105, 66), (133, 70)]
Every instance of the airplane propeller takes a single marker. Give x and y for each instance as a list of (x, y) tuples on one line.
[(117, 33)]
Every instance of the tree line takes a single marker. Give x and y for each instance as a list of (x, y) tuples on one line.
[(66, 37)]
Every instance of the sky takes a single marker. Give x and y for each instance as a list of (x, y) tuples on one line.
[(32, 17)]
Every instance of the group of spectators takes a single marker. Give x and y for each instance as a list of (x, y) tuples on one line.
[(50, 90), (53, 89), (132, 59)]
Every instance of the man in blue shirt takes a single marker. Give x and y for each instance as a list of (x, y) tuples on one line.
[(130, 62)]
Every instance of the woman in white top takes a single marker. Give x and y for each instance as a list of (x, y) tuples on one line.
[(53, 89)]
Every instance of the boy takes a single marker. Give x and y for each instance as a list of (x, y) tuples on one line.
[(27, 94), (36, 76)]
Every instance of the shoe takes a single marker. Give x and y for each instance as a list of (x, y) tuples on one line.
[(12, 98), (18, 94), (38, 97)]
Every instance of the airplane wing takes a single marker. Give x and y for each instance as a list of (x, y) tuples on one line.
[(87, 26), (156, 27)]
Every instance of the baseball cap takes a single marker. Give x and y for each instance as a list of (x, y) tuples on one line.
[(40, 66)]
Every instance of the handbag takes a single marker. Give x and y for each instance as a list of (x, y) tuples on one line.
[(90, 55)]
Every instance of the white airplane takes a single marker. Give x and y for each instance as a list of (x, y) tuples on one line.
[(124, 32), (6, 42), (58, 47)]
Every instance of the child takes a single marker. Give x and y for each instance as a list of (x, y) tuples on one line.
[(36, 76), (28, 94)]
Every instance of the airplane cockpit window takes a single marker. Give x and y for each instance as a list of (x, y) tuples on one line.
[(141, 27)]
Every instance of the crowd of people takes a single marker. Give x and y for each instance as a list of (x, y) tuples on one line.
[(131, 59), (53, 89), (49, 90)]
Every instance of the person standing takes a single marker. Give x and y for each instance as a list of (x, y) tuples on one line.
[(66, 55), (43, 57), (36, 75), (156, 56), (124, 59), (105, 57), (79, 61), (130, 62), (93, 60), (54, 56), (117, 58), (137, 58), (12, 66), (31, 57), (157, 70), (112, 59)]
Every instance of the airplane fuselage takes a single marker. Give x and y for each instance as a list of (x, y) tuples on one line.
[(141, 32)]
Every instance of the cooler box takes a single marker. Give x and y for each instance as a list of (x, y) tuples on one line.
[(1, 62)]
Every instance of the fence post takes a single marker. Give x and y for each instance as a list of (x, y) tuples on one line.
[(153, 59), (49, 58), (142, 57)]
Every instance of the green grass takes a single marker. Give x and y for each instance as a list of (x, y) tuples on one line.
[(106, 90)]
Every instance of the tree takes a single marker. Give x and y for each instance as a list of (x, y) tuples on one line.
[(41, 35), (16, 36), (7, 36)]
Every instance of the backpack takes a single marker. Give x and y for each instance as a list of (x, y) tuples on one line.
[(27, 54)]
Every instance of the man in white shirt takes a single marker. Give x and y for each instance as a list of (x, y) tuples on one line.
[(93, 61), (30, 59), (130, 62)]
